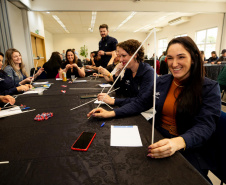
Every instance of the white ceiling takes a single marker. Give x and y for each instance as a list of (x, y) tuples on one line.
[(76, 14), (79, 22)]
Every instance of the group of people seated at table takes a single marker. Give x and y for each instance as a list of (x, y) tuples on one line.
[(188, 104), (214, 59)]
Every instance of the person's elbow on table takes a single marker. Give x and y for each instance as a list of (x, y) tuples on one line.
[(101, 113)]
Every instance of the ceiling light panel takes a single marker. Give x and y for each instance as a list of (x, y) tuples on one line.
[(126, 20), (60, 22), (93, 20)]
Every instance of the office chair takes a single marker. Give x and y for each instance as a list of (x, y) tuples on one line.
[(41, 76), (220, 143)]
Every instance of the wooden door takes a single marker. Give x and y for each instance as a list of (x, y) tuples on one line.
[(38, 48)]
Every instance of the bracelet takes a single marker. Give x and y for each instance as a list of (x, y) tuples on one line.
[(109, 76)]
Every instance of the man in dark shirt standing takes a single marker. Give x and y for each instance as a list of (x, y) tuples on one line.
[(107, 44)]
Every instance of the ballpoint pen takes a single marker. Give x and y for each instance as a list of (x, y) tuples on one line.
[(102, 124)]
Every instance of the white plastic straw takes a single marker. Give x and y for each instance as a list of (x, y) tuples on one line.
[(34, 72), (154, 90), (92, 100)]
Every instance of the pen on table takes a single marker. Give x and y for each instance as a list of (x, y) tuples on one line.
[(102, 124), (6, 104), (25, 108)]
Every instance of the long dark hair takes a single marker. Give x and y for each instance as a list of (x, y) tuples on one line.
[(189, 101), (75, 57), (55, 60)]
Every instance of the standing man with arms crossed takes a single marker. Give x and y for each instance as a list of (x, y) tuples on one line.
[(107, 44)]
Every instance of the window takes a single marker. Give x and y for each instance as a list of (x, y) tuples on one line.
[(162, 45), (182, 35), (206, 41)]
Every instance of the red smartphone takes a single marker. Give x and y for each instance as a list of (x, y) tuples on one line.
[(84, 141)]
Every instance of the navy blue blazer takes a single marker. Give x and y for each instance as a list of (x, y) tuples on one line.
[(7, 86), (137, 89), (204, 123)]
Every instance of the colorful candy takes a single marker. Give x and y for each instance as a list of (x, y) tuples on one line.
[(43, 116)]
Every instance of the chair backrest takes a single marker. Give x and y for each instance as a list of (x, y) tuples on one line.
[(220, 144), (41, 76), (150, 62)]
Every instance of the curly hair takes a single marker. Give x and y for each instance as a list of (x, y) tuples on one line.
[(130, 46)]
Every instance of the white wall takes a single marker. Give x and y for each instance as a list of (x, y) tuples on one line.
[(17, 32), (65, 41), (48, 44), (197, 23), (36, 22)]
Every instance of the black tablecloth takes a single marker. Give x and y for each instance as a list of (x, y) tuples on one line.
[(212, 70), (40, 152)]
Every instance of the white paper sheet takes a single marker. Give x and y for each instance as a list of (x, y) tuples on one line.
[(97, 102), (35, 91), (40, 83), (128, 136), (105, 85), (77, 81), (9, 112), (148, 114), (58, 78)]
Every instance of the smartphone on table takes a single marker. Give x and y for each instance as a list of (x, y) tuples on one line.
[(84, 141)]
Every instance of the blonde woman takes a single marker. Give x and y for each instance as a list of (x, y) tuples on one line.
[(15, 68), (7, 86)]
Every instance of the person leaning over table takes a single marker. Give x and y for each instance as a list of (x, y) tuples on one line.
[(188, 106), (73, 65), (136, 83), (15, 68), (213, 57), (7, 86), (221, 59), (109, 71), (95, 61), (53, 66)]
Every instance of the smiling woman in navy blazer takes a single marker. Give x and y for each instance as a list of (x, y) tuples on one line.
[(188, 106)]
